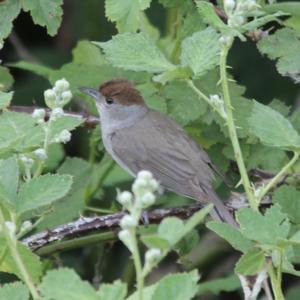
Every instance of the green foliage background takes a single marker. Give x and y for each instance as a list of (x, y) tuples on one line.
[(156, 61)]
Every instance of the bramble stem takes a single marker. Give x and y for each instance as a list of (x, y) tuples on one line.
[(12, 245), (232, 129), (276, 286), (276, 178), (138, 266)]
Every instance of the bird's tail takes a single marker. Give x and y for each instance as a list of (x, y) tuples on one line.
[(220, 212)]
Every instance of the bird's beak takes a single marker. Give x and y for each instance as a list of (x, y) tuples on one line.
[(92, 92)]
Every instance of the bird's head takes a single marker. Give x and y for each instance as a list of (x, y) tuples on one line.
[(117, 100)]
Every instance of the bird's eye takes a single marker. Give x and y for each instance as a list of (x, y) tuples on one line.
[(109, 100)]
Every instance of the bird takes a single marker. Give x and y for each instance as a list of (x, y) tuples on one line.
[(139, 138)]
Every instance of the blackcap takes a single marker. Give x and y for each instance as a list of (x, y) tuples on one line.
[(139, 138)]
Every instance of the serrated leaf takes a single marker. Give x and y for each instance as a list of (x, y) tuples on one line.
[(9, 10), (9, 181), (295, 119), (184, 105), (46, 13), (18, 132), (272, 128), (115, 291), (181, 286), (42, 191), (280, 106), (6, 80), (266, 229), (72, 204), (5, 99), (216, 286), (125, 13), (283, 45), (87, 53), (201, 51), (66, 284), (208, 14), (289, 200), (231, 235), (30, 260), (136, 52), (14, 291), (250, 263)]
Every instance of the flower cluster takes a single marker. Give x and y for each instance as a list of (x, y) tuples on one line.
[(238, 10), (142, 197), (59, 95)]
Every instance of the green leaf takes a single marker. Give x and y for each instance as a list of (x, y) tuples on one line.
[(208, 15), (14, 291), (115, 291), (9, 10), (191, 23), (272, 128), (295, 119), (87, 53), (136, 52), (70, 207), (154, 241), (126, 13), (46, 13), (289, 200), (231, 235), (265, 229), (33, 67), (170, 229), (152, 97), (283, 45), (250, 263), (181, 286), (292, 8), (5, 99), (201, 51), (184, 105), (216, 286), (18, 132), (280, 106), (30, 260), (6, 80), (42, 191), (65, 284), (266, 158), (9, 180)]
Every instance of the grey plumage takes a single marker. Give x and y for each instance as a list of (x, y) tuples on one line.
[(180, 165)]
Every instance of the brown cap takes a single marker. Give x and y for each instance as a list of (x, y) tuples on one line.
[(123, 90)]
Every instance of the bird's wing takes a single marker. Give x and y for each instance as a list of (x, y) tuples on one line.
[(159, 145)]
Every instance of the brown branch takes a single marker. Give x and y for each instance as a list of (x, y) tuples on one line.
[(89, 120), (86, 225)]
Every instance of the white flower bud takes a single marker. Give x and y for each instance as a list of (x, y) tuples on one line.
[(39, 114), (153, 185), (49, 95), (152, 255), (148, 199), (236, 21), (40, 154), (61, 85), (25, 225), (63, 137), (128, 222), (125, 198), (145, 175), (225, 40), (251, 5), (11, 227), (125, 236), (57, 112), (215, 98), (66, 96), (26, 160), (229, 5)]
